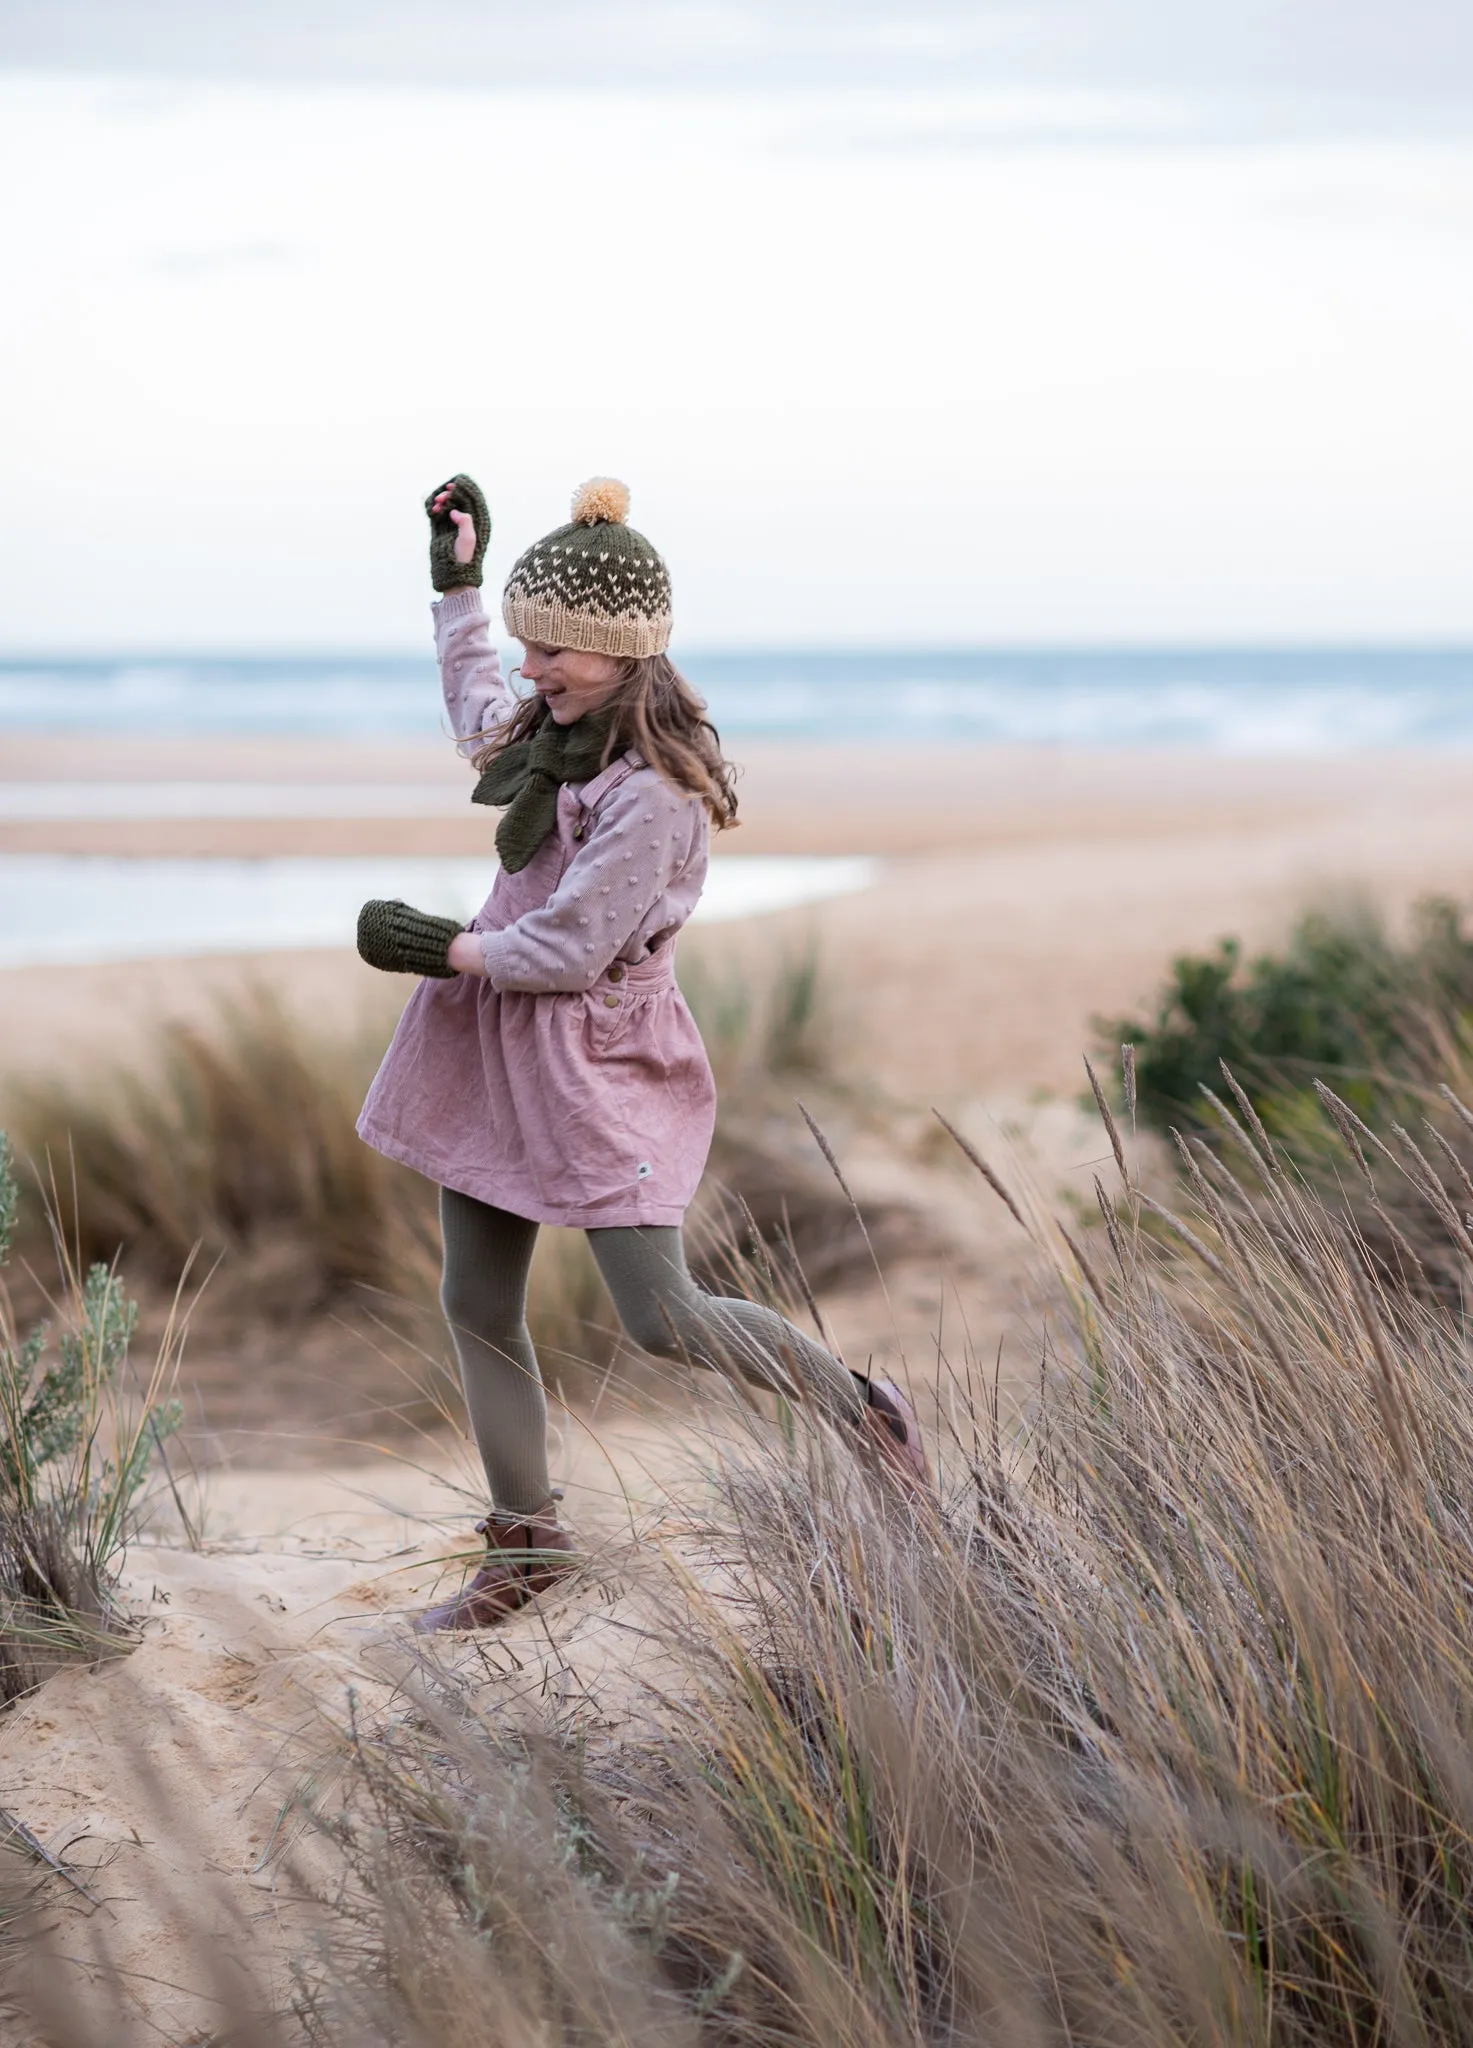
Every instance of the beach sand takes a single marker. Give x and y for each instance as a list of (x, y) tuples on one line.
[(164, 1779)]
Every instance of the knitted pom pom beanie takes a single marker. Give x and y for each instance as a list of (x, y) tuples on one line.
[(593, 584)]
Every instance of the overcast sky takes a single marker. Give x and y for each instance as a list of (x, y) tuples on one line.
[(1322, 63), (1077, 320)]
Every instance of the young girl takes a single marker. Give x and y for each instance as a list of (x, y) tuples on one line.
[(547, 1070)]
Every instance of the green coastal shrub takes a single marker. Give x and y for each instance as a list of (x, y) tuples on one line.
[(1343, 1003), (77, 1438)]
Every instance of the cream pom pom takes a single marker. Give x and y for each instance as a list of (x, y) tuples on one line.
[(602, 497)]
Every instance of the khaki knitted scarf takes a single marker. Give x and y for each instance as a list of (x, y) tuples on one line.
[(527, 777)]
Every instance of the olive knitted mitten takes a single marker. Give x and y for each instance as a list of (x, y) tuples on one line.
[(445, 572), (398, 939)]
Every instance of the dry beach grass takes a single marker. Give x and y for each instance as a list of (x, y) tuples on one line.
[(1155, 1729), (232, 1148)]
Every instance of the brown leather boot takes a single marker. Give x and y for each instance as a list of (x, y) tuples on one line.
[(523, 1558), (891, 1422)]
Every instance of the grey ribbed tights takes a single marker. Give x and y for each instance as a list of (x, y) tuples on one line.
[(488, 1256)]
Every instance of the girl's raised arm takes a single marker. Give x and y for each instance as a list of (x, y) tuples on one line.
[(476, 693)]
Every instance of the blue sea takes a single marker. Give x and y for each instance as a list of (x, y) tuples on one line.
[(1304, 700)]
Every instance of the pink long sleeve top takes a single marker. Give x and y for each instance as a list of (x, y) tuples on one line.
[(570, 1086)]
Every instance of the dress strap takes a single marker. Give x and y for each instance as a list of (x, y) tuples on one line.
[(608, 780)]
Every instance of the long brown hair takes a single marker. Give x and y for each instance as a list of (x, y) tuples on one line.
[(659, 716)]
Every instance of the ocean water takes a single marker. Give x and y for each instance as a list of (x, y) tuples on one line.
[(1306, 700), (58, 908)]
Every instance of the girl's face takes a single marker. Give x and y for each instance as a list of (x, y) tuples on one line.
[(569, 682)]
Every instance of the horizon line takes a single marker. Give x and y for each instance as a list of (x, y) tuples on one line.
[(766, 650)]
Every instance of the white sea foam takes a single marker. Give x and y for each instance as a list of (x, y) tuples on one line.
[(1308, 700)]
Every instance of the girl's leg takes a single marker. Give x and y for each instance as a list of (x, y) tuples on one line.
[(488, 1255), (664, 1312)]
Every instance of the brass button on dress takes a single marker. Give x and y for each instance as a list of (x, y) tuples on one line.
[(616, 973), (611, 1002)]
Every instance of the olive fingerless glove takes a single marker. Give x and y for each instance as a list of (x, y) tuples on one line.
[(398, 939), (445, 572)]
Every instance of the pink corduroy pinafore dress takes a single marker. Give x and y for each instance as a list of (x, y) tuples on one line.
[(591, 1107)]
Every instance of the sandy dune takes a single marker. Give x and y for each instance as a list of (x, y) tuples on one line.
[(164, 1780)]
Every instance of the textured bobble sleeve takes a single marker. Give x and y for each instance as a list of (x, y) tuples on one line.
[(642, 836), (476, 692)]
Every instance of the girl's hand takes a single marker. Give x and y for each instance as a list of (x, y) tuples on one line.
[(465, 955), (465, 527), (396, 938), (460, 528)]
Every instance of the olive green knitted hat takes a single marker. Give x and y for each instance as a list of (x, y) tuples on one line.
[(593, 584)]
